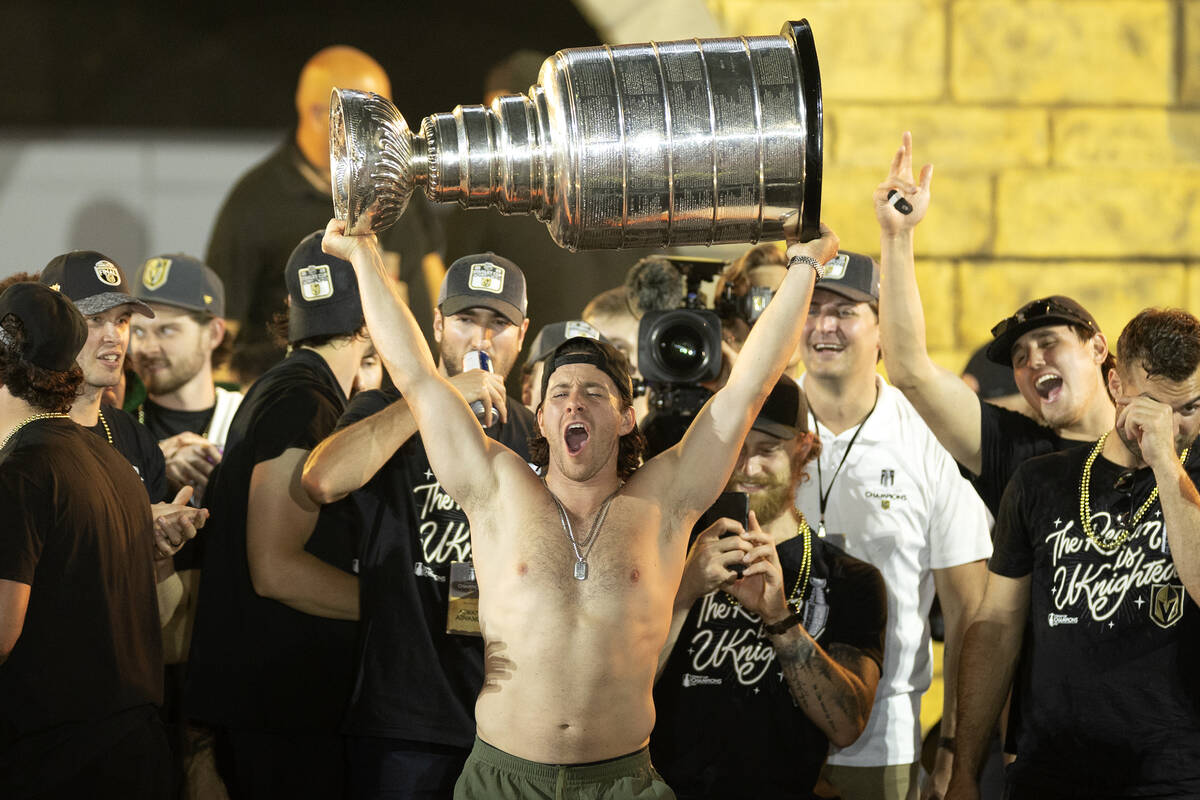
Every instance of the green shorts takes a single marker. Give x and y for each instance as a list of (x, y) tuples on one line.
[(492, 774)]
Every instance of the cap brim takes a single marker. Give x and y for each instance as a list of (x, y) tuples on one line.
[(99, 303), (999, 351), (847, 292), (453, 305), (776, 429)]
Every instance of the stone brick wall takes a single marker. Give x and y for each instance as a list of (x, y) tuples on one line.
[(1066, 136)]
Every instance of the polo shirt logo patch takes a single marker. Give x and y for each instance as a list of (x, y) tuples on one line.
[(486, 277), (1166, 604), (107, 272), (316, 282), (154, 273), (835, 269)]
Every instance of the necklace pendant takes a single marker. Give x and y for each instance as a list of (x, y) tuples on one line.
[(821, 530), (581, 570)]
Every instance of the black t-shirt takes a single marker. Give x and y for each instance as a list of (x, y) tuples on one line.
[(164, 422), (416, 681), (1108, 686), (77, 530), (1008, 439), (134, 441), (728, 726), (256, 663), (268, 212)]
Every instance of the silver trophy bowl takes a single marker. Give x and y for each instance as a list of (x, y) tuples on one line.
[(698, 141)]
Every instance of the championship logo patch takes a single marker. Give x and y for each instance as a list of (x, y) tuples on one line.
[(835, 268), (486, 277), (316, 282), (154, 273), (580, 328), (1166, 604), (107, 272)]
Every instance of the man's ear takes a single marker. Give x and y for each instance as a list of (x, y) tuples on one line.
[(216, 332), (1099, 348), (1114, 383), (537, 419), (439, 323), (628, 421)]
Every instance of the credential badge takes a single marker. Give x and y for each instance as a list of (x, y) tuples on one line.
[(154, 273), (835, 269), (486, 277), (1166, 604), (316, 283), (107, 272)]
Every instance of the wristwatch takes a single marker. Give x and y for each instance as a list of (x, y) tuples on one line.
[(810, 261)]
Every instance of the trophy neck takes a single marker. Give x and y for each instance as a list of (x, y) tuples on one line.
[(479, 156)]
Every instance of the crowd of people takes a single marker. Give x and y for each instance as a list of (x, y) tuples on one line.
[(355, 565)]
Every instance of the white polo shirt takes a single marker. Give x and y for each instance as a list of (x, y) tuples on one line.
[(900, 504)]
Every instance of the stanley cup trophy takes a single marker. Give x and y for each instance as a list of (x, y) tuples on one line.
[(699, 141)]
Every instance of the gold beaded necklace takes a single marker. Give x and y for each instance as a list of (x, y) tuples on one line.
[(107, 430), (26, 421), (1085, 504)]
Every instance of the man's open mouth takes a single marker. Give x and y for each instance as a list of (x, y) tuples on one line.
[(1048, 386), (576, 435)]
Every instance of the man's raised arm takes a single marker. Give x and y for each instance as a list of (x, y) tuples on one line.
[(462, 459), (708, 451), (947, 405)]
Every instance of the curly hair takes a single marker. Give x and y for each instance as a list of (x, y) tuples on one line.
[(1163, 341), (42, 388)]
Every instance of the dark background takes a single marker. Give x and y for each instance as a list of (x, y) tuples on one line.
[(223, 65)]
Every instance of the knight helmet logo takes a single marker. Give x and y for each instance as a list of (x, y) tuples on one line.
[(154, 273), (1166, 604)]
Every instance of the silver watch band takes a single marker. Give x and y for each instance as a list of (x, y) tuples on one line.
[(810, 261)]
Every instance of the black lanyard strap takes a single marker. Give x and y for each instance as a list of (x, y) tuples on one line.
[(823, 494)]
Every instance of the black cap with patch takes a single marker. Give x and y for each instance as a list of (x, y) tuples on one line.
[(54, 330), (1041, 313), (182, 281), (785, 412), (484, 280), (322, 292), (853, 276), (92, 281), (602, 355), (554, 334)]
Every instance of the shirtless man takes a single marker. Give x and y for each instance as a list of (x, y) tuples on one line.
[(572, 634)]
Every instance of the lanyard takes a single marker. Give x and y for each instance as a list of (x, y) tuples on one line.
[(823, 494)]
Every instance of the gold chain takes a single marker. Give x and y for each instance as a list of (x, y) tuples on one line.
[(1085, 503), (107, 430), (26, 421)]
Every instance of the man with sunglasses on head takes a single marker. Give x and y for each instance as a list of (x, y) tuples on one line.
[(1058, 355), (1090, 609)]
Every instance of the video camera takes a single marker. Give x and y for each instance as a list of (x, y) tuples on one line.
[(678, 349)]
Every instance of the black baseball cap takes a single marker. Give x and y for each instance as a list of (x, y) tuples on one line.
[(586, 350), (182, 281), (487, 280), (785, 412), (92, 281), (54, 330), (323, 290), (554, 334), (1056, 309), (853, 276)]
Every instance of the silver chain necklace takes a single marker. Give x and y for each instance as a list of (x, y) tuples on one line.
[(582, 549)]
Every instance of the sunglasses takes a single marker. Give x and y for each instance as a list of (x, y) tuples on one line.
[(1126, 516), (1035, 310)]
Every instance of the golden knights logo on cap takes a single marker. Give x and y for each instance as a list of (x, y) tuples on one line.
[(486, 277), (316, 282), (154, 273), (107, 272), (835, 269)]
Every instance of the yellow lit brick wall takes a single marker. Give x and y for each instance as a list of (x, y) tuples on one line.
[(1066, 136)]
